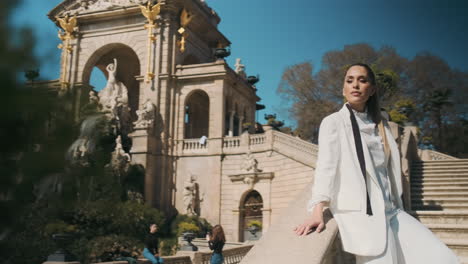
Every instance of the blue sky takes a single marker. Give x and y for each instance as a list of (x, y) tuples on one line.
[(270, 35)]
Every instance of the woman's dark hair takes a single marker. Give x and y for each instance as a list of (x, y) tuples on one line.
[(218, 234), (372, 104)]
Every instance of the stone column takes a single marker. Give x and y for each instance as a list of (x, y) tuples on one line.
[(241, 121), (231, 123), (141, 152)]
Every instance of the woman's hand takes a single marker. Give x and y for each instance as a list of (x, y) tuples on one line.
[(314, 220), (208, 237)]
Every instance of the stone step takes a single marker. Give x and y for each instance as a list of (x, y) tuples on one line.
[(449, 231), (422, 184), (431, 195), (438, 174), (441, 217), (459, 246), (439, 167), (418, 189), (441, 162), (441, 179), (438, 207)]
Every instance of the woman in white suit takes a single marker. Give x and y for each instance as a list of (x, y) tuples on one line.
[(358, 176)]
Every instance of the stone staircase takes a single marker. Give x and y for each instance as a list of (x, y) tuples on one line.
[(439, 197)]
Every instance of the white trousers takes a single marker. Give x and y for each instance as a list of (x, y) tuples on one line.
[(410, 242)]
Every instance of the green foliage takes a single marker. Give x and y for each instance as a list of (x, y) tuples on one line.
[(402, 111), (59, 226), (397, 117), (112, 247), (255, 223), (201, 223), (128, 218), (187, 227), (168, 246)]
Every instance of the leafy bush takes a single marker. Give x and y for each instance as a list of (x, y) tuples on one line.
[(112, 247), (254, 223), (168, 246), (201, 223), (187, 227)]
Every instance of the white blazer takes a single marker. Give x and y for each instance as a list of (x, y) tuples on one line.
[(338, 179)]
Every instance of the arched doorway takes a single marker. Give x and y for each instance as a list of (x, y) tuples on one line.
[(197, 115), (251, 211), (128, 68)]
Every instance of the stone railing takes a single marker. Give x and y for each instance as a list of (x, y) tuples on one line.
[(427, 155), (258, 139), (231, 256), (167, 260), (281, 245), (231, 142), (293, 147), (194, 144)]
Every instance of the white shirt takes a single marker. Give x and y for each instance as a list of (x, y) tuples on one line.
[(374, 142)]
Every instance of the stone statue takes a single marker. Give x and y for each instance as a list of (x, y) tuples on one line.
[(240, 68), (145, 115), (93, 99), (190, 192), (120, 160), (250, 164), (115, 93)]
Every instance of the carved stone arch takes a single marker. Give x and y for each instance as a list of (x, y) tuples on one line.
[(250, 209), (128, 67), (196, 114)]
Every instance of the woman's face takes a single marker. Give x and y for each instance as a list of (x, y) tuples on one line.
[(153, 228), (357, 87)]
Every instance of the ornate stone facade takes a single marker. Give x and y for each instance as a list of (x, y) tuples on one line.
[(176, 97)]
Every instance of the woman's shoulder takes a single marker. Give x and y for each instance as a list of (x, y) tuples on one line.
[(332, 119)]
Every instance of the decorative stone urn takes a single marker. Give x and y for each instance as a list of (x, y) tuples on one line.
[(253, 79), (221, 53), (188, 246)]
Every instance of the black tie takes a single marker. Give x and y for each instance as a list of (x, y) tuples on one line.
[(360, 154)]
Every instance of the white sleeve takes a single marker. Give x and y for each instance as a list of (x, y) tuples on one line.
[(327, 163)]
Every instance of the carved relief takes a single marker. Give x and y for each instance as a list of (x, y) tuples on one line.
[(88, 6)]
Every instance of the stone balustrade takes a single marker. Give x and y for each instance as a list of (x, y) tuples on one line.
[(427, 154), (194, 144), (231, 256), (231, 142), (296, 148)]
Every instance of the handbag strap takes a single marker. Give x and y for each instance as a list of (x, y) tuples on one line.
[(360, 154)]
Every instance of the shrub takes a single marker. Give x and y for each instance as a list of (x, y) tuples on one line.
[(112, 247), (254, 223), (201, 223), (187, 227)]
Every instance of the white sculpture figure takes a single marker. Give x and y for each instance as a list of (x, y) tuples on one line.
[(240, 68), (145, 115), (120, 159), (93, 99), (115, 93), (119, 149), (250, 164), (189, 192)]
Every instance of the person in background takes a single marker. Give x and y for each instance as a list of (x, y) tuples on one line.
[(151, 246), (216, 241)]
